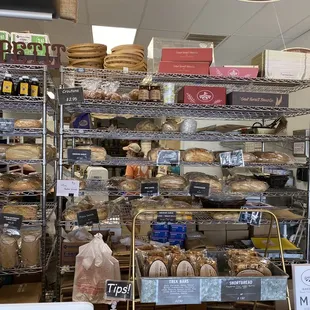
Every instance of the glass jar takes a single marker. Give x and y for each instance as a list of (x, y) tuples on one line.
[(7, 87), (144, 92), (155, 93)]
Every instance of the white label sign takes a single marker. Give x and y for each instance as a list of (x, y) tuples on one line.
[(68, 188), (299, 148), (301, 285)]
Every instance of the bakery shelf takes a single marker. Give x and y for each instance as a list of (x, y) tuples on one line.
[(151, 109), (24, 161), (133, 79), (122, 134), (38, 192), (26, 132), (124, 161)]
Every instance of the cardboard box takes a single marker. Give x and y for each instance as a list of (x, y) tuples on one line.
[(31, 37), (187, 54), (21, 293), (216, 237), (237, 226), (233, 235), (246, 72), (283, 65), (184, 67), (191, 227), (258, 99), (69, 251), (262, 231), (211, 227), (202, 95)]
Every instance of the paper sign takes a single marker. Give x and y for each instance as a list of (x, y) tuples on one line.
[(251, 218), (118, 290), (178, 291), (70, 95), (166, 216), (6, 125), (68, 188), (301, 286), (240, 290)]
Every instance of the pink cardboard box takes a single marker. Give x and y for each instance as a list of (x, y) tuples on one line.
[(234, 71), (184, 67), (187, 54)]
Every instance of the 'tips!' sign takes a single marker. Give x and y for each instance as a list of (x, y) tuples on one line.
[(118, 290)]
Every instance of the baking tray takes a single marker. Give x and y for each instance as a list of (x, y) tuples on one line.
[(271, 288), (260, 243)]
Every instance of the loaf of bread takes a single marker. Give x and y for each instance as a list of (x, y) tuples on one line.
[(24, 184), (215, 184), (170, 126), (29, 152), (6, 180), (129, 185), (249, 157), (226, 216), (198, 155), (146, 125), (172, 182), (28, 212), (27, 123), (3, 148), (248, 186), (272, 157), (97, 153)]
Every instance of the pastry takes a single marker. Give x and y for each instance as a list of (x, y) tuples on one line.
[(27, 123), (97, 153), (198, 155), (28, 212)]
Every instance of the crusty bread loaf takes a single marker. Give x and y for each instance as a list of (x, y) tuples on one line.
[(25, 184), (27, 123), (198, 155), (215, 184), (28, 212), (172, 181), (24, 152), (249, 157), (97, 152), (248, 186), (273, 157)]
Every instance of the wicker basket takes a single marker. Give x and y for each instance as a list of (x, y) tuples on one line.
[(67, 9)]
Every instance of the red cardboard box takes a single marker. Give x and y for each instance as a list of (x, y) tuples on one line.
[(187, 54), (184, 67), (234, 72), (202, 95)]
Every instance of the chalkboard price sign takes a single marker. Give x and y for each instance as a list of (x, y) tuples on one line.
[(75, 155), (6, 125), (199, 189), (88, 217), (168, 157), (70, 95)]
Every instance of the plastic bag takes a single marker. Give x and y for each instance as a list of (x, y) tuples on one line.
[(93, 266)]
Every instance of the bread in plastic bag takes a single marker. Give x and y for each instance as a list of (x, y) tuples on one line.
[(146, 125), (93, 266)]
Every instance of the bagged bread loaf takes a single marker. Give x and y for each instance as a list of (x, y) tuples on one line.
[(170, 126), (97, 153), (172, 182), (30, 246), (273, 157), (215, 184), (24, 184), (198, 155), (9, 252), (27, 123), (146, 125)]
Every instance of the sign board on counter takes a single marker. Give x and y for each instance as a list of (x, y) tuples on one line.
[(6, 124), (240, 290), (68, 188), (178, 291), (70, 95), (118, 290), (168, 157), (75, 155), (166, 216), (301, 286)]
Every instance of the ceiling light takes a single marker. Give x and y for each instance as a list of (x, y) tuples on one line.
[(113, 36), (259, 1)]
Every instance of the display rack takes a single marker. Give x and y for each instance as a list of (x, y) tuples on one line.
[(72, 77), (43, 106)]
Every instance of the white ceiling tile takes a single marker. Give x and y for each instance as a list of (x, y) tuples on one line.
[(144, 36), (302, 41), (264, 23), (116, 13), (173, 15), (82, 12), (236, 48), (299, 29), (222, 17)]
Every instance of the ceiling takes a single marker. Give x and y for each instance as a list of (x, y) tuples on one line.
[(249, 28)]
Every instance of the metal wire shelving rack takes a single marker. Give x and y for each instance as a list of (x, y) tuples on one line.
[(42, 106), (72, 77)]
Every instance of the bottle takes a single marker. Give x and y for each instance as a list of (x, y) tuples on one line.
[(155, 93), (18, 86), (35, 87), (24, 88), (144, 92), (7, 87)]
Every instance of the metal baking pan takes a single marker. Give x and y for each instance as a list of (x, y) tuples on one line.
[(223, 288)]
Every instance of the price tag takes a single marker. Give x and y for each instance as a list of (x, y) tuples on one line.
[(88, 217), (232, 159), (166, 216), (68, 188), (6, 124), (240, 290), (251, 218), (75, 155), (149, 189), (178, 291), (118, 290), (12, 221), (199, 189), (168, 157), (70, 95)]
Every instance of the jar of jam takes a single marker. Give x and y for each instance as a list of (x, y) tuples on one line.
[(144, 92), (34, 87), (7, 87), (155, 93), (24, 86)]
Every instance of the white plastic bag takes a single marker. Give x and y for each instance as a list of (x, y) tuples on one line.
[(93, 266)]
